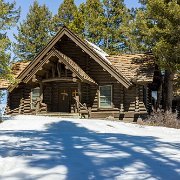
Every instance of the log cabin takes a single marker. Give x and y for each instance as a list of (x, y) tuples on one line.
[(71, 75)]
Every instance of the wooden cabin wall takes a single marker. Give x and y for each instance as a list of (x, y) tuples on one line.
[(143, 99), (134, 103), (14, 99), (27, 99), (19, 100), (102, 77), (85, 94), (130, 99)]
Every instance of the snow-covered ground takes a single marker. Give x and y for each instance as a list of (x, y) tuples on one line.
[(51, 148)]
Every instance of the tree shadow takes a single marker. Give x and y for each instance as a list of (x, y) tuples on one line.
[(88, 154)]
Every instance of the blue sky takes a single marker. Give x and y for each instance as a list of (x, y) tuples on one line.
[(53, 6)]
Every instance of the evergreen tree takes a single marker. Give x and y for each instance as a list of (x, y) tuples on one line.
[(160, 25), (94, 19), (135, 41), (9, 15), (34, 33), (78, 23), (114, 14), (65, 14)]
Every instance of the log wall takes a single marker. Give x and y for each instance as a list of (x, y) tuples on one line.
[(19, 101)]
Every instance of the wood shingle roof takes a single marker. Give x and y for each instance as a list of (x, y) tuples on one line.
[(17, 68), (138, 68)]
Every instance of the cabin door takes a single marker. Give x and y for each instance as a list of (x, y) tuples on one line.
[(64, 100)]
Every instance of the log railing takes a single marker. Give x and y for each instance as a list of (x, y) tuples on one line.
[(83, 110)]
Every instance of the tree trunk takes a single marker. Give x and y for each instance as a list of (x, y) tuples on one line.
[(168, 90)]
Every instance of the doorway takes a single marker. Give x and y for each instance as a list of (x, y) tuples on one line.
[(64, 100)]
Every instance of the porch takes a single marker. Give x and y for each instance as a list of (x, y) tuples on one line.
[(58, 98)]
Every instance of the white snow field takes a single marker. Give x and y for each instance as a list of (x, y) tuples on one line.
[(51, 148)]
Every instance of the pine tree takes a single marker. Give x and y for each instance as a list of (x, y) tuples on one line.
[(9, 15), (78, 23), (65, 15), (94, 19), (34, 33), (114, 13), (160, 26), (134, 39)]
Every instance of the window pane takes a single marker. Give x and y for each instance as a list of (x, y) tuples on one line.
[(105, 101), (105, 96), (105, 91)]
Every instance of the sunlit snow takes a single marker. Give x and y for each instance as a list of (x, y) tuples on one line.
[(99, 51), (51, 148)]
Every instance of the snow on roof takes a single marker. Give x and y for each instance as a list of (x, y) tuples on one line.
[(99, 51)]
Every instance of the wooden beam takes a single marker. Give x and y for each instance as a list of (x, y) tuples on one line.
[(79, 90), (58, 70), (66, 79), (75, 68), (36, 68)]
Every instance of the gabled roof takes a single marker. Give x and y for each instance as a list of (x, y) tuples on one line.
[(83, 45), (137, 68), (65, 60), (74, 67)]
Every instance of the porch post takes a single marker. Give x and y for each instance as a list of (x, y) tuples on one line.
[(122, 99), (40, 99), (78, 97), (79, 90)]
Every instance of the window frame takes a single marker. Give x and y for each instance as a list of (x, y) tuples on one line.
[(99, 98)]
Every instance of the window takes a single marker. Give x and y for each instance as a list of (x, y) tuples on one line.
[(35, 93), (105, 96)]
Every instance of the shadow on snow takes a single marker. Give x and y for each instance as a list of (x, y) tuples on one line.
[(91, 155)]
